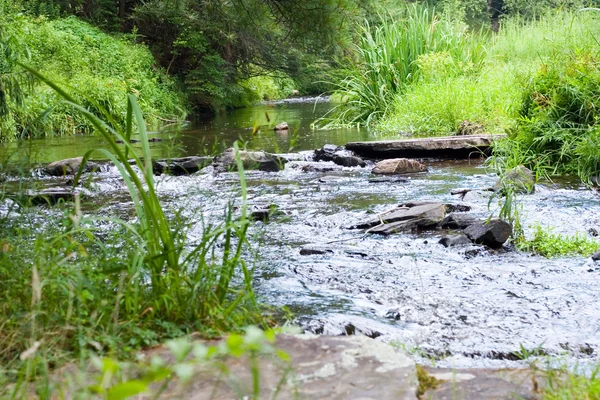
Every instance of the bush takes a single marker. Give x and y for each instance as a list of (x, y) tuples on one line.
[(387, 61), (102, 69)]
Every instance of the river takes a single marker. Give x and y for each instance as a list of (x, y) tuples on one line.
[(456, 307)]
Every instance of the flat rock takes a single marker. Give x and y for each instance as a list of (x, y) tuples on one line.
[(312, 166), (458, 221), (180, 166), (49, 196), (477, 384), (492, 234), (251, 160), (396, 166), (69, 166), (422, 217), (324, 368), (389, 179), (440, 147)]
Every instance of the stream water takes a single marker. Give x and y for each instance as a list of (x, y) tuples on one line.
[(463, 307)]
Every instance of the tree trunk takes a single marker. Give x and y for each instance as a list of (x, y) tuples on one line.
[(496, 9)]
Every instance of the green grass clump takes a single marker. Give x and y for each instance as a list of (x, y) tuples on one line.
[(564, 385), (77, 289), (548, 244), (102, 69)]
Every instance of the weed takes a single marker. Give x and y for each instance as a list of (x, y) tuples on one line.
[(548, 244), (76, 289)]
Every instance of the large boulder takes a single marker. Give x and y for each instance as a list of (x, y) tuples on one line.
[(181, 166), (398, 166), (520, 179), (69, 166), (493, 233), (338, 155), (406, 219), (251, 160)]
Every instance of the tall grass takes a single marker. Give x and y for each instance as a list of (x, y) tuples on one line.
[(386, 61), (81, 289), (492, 92)]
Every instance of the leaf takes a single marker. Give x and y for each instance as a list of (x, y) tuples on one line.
[(126, 389)]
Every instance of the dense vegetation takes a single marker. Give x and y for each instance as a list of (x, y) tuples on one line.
[(102, 285), (99, 68)]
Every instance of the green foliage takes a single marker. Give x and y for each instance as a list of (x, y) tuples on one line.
[(173, 369), (499, 93), (101, 68), (548, 244), (564, 385), (79, 288), (389, 57)]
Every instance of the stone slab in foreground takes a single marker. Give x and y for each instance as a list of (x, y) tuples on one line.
[(324, 368), (477, 384), (438, 147)]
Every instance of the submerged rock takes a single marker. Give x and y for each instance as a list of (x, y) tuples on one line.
[(398, 166), (251, 160), (312, 249), (520, 179), (338, 155), (180, 166), (49, 196), (457, 221), (389, 179), (455, 240), (282, 126), (69, 166), (492, 234), (264, 213), (405, 219)]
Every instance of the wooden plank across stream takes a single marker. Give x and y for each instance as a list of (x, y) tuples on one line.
[(437, 147)]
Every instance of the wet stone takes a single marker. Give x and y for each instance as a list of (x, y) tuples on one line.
[(596, 256), (49, 196), (180, 166), (315, 250), (389, 179), (283, 126), (457, 221), (398, 166), (406, 219), (338, 155), (455, 240), (492, 234), (69, 166), (251, 160), (310, 166)]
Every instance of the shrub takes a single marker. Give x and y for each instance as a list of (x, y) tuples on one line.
[(102, 69)]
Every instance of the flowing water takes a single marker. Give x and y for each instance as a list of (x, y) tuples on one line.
[(462, 307)]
